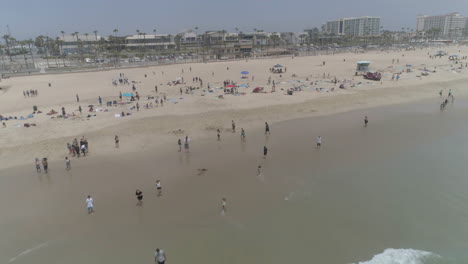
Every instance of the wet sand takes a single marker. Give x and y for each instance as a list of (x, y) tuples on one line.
[(398, 183)]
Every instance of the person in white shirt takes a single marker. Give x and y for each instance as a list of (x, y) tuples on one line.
[(90, 204), (159, 256)]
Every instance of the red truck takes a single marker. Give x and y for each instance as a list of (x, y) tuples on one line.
[(375, 76)]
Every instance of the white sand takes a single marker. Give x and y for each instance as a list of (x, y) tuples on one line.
[(199, 116)]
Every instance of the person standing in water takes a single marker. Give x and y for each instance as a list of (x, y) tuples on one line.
[(265, 151), (366, 121), (159, 256), (242, 133), (259, 170), (67, 163), (45, 165), (233, 126), (219, 134), (90, 204), (179, 142), (117, 140), (38, 165), (223, 204), (319, 142), (267, 128), (186, 144), (139, 195), (159, 187)]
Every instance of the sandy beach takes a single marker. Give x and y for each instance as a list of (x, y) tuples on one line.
[(201, 113)]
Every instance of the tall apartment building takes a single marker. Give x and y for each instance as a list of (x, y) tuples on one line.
[(448, 25), (354, 26)]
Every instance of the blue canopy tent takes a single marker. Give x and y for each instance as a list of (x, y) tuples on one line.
[(278, 66), (244, 72)]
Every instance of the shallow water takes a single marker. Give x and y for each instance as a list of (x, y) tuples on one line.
[(399, 183)]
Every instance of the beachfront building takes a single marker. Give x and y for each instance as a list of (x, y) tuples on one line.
[(76, 43), (450, 25), (294, 38), (354, 26), (159, 42)]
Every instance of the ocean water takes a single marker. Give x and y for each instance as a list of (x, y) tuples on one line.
[(395, 192)]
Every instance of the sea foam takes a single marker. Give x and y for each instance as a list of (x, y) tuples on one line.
[(404, 256)]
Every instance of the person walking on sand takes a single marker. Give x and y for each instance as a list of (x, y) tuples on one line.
[(77, 98), (259, 170), (38, 165), (90, 204), (45, 165), (366, 121), (159, 187), (179, 142), (139, 195), (319, 142), (219, 134), (159, 256), (267, 128), (80, 109), (67, 164), (116, 139), (233, 126), (265, 151), (100, 100)]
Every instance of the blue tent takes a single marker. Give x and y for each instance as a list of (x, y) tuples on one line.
[(278, 66), (128, 94), (245, 72)]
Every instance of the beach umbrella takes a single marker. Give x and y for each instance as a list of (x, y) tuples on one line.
[(244, 86), (244, 72), (230, 86), (278, 66), (128, 94), (90, 105)]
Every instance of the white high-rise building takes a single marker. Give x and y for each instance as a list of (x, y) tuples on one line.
[(354, 26), (449, 25)]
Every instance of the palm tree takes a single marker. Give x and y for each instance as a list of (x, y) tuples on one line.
[(154, 46), (116, 49), (196, 38), (30, 42), (87, 42), (95, 44), (7, 43)]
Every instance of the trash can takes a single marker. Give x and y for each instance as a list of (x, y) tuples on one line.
[(35, 108)]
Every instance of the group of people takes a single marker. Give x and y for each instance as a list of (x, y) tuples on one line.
[(30, 93), (278, 70), (76, 149), (446, 101), (186, 144)]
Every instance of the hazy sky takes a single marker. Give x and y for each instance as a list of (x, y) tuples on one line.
[(30, 18)]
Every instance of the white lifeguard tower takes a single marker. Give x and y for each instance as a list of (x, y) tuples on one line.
[(362, 66)]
